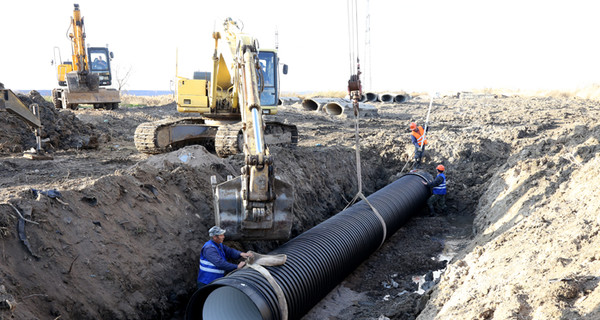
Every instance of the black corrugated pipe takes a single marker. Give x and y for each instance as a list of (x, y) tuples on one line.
[(317, 260)]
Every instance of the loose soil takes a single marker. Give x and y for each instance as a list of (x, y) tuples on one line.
[(122, 237)]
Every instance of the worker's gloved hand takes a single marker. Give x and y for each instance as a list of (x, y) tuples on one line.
[(246, 254), (241, 264)]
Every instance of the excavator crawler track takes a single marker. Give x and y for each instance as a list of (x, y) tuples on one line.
[(162, 136), (229, 140), (158, 136), (278, 133)]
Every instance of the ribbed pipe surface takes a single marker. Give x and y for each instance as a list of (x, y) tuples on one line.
[(317, 260)]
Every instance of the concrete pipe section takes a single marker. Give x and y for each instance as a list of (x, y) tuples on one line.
[(386, 97), (344, 107), (372, 97), (401, 98), (317, 260), (316, 104)]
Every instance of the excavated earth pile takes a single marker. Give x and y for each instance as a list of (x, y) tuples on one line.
[(118, 233), (61, 131)]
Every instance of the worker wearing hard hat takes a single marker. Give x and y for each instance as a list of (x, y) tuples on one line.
[(214, 255), (438, 190), (419, 141)]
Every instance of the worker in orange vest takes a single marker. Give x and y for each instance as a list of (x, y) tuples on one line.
[(419, 141)]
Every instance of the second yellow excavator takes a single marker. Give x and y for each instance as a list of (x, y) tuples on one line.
[(83, 80)]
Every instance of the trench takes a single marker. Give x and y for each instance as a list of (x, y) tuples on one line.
[(449, 233), (391, 279)]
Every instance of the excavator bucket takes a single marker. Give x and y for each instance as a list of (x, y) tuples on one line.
[(275, 224), (77, 84)]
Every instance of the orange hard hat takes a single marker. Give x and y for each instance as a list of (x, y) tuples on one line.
[(441, 167), (413, 125)]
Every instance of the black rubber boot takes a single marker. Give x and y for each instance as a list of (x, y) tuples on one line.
[(431, 210)]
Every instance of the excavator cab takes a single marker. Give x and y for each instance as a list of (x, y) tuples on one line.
[(99, 58), (269, 80)]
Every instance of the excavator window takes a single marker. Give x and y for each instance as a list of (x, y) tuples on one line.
[(99, 62), (268, 96)]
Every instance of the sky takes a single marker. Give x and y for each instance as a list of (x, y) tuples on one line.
[(426, 45)]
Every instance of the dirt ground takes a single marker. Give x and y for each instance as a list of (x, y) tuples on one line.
[(121, 239)]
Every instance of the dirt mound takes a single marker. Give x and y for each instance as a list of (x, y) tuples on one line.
[(131, 239), (61, 129), (535, 253)]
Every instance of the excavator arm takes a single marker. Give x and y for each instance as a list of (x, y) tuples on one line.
[(11, 103), (80, 79)]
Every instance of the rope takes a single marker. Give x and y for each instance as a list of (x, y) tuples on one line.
[(19, 213), (408, 161), (359, 194), (283, 306), (355, 94)]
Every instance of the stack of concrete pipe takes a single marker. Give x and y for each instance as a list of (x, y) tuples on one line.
[(387, 97)]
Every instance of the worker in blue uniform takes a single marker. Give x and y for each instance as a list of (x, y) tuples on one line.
[(438, 190), (214, 256)]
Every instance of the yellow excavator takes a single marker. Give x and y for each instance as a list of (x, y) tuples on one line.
[(83, 79), (216, 97), (232, 99)]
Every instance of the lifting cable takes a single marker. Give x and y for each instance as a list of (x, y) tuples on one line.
[(355, 92)]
